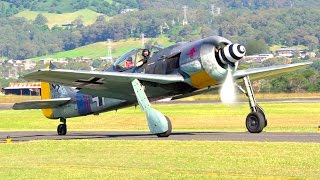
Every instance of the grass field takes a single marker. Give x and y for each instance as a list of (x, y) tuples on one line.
[(284, 117), (84, 159), (121, 159), (88, 17), (99, 49), (202, 97), (258, 96)]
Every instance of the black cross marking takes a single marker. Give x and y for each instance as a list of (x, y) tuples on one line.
[(90, 81), (55, 86)]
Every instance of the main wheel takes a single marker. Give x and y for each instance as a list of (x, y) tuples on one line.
[(168, 132), (62, 129), (255, 122)]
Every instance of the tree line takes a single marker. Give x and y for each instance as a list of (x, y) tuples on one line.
[(111, 8), (305, 80), (11, 7), (23, 39)]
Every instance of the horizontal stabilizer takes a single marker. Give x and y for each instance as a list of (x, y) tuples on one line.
[(41, 104)]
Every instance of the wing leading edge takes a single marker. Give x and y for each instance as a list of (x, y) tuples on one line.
[(268, 72), (67, 76), (105, 84)]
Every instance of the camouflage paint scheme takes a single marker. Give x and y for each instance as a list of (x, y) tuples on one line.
[(79, 105)]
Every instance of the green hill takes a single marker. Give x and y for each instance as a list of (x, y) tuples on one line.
[(275, 23), (99, 49), (107, 7), (88, 16)]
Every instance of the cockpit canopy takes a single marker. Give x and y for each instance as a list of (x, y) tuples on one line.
[(130, 59)]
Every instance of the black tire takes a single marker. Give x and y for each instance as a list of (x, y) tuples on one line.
[(62, 129), (255, 122), (167, 133), (261, 111)]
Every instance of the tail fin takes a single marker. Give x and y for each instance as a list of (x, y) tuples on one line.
[(46, 87), (54, 91)]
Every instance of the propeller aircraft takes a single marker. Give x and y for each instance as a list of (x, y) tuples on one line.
[(138, 78)]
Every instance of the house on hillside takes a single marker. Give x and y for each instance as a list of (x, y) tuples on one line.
[(124, 11), (29, 64), (289, 52), (258, 58), (55, 61)]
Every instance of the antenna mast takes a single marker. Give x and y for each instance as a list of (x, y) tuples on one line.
[(215, 10), (185, 20), (212, 9), (109, 56), (142, 40)]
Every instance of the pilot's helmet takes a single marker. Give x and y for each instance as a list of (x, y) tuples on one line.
[(129, 58)]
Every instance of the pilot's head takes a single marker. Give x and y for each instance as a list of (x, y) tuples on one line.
[(145, 53), (129, 58)]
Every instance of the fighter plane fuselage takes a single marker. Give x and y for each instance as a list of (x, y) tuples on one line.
[(198, 62)]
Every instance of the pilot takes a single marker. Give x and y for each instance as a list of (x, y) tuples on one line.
[(129, 63), (145, 56)]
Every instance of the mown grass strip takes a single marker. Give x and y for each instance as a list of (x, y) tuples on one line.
[(88, 17), (99, 49), (159, 160)]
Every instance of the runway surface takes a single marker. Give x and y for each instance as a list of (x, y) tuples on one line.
[(5, 106), (183, 136)]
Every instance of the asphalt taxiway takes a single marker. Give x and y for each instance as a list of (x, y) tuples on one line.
[(8, 106), (5, 106), (181, 136)]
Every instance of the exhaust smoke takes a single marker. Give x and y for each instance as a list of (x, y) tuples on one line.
[(228, 90)]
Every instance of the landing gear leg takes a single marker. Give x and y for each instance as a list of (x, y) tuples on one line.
[(256, 120), (159, 124), (62, 128)]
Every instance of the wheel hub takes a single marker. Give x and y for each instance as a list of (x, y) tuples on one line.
[(253, 122)]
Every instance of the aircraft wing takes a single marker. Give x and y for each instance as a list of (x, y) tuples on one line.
[(105, 84), (267, 72), (41, 104), (254, 74)]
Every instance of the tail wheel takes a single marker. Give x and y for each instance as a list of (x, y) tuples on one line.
[(168, 132), (62, 129), (255, 122)]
